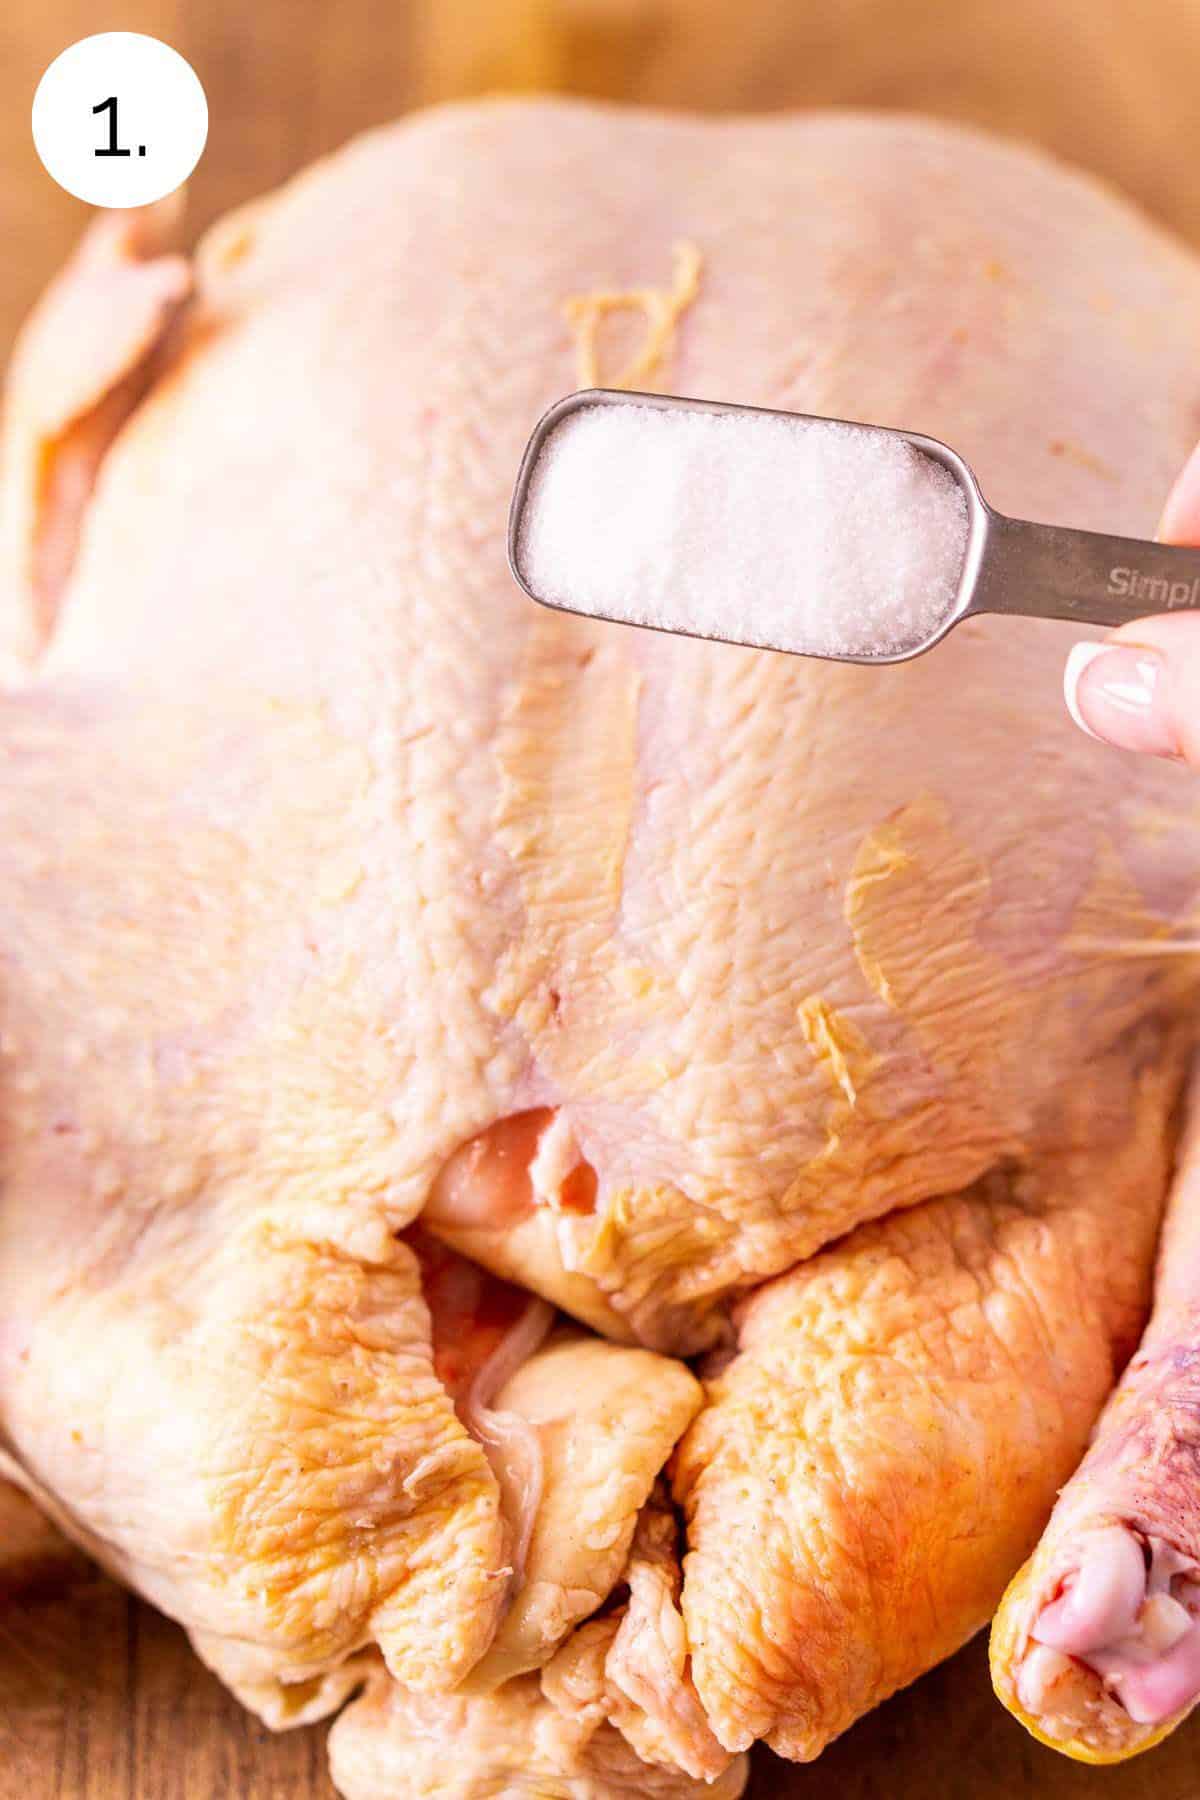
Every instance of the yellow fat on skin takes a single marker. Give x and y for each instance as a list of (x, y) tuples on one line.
[(661, 308)]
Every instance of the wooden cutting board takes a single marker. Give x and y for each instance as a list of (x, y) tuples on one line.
[(100, 1699)]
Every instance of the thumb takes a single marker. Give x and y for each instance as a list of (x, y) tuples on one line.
[(1139, 688), (1180, 523)]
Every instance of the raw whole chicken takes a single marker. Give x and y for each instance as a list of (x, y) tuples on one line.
[(827, 1024)]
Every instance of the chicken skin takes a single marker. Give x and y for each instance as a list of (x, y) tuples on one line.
[(577, 1431), (614, 1713), (822, 1019), (509, 1745), (902, 1411)]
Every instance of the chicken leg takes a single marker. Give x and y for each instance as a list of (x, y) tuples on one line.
[(901, 1412), (1097, 1645)]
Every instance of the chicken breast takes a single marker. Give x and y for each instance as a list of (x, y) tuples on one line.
[(700, 1034), (337, 883)]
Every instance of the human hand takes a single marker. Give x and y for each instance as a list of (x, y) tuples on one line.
[(1139, 688)]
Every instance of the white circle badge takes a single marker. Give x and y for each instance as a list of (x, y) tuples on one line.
[(120, 119)]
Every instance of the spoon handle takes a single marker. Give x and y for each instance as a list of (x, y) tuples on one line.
[(1053, 572)]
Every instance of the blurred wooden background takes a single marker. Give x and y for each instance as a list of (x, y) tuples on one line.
[(1114, 84), (100, 1699)]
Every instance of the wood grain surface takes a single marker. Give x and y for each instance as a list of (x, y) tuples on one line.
[(100, 1699)]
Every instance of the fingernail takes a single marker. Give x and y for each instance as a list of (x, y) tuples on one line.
[(1114, 693)]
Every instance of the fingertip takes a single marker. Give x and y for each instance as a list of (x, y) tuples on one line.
[(1119, 693), (1180, 522)]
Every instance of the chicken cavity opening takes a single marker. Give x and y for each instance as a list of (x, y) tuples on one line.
[(484, 1329), (1130, 1612), (521, 1162)]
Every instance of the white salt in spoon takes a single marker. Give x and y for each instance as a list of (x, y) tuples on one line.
[(796, 533)]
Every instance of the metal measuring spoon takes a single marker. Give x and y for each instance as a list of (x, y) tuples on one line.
[(1009, 566)]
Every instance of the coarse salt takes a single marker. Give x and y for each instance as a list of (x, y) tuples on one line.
[(794, 534)]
